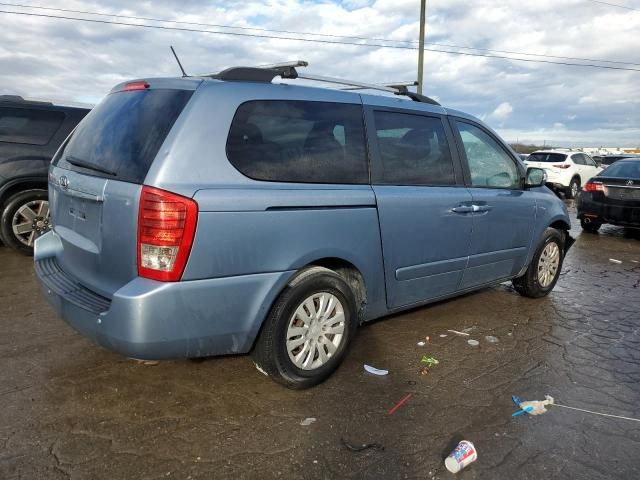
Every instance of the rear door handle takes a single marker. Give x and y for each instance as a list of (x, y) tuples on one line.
[(462, 209)]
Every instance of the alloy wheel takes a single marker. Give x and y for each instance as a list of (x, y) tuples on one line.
[(30, 221)]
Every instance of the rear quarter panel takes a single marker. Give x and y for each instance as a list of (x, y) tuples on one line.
[(275, 229), (549, 210)]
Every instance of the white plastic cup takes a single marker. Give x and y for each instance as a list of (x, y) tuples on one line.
[(464, 454)]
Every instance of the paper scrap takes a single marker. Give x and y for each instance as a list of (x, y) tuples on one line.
[(375, 371)]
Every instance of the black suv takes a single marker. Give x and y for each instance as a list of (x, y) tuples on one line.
[(30, 133)]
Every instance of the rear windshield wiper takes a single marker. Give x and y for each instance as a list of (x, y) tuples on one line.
[(89, 166)]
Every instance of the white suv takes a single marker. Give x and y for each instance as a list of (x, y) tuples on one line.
[(566, 170)]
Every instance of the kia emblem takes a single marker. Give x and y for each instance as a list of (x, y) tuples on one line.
[(64, 182)]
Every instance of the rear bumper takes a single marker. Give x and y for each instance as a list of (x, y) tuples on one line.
[(602, 212), (155, 320)]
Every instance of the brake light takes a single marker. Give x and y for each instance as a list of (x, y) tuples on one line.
[(133, 86), (593, 187), (166, 227), (562, 165)]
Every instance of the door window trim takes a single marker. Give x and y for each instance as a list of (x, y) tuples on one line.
[(465, 161), (375, 158)]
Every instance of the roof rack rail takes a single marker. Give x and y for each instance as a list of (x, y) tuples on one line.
[(287, 70)]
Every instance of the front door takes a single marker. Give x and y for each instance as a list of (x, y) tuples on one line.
[(424, 209), (504, 212)]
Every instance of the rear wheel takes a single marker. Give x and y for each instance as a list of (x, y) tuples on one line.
[(544, 270), (574, 188), (25, 217), (308, 330), (592, 226)]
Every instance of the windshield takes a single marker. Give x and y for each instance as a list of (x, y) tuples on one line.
[(122, 135), (624, 170), (547, 157)]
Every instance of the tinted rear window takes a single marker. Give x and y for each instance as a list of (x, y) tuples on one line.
[(30, 126), (610, 160), (123, 134), (625, 169), (299, 141), (547, 157)]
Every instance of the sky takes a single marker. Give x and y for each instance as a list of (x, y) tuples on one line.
[(74, 61)]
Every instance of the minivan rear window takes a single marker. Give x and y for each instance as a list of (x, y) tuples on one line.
[(547, 157), (122, 135), (299, 141)]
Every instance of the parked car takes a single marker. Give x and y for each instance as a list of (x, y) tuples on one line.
[(613, 196), (30, 133), (605, 160), (523, 156), (209, 216), (566, 170)]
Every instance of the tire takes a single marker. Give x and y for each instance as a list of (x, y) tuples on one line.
[(573, 189), (271, 353), (591, 227), (33, 203), (530, 284)]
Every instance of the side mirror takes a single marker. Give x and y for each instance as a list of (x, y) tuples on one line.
[(536, 177)]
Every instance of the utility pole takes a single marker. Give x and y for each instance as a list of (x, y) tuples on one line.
[(423, 7)]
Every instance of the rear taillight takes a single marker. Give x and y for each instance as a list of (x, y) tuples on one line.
[(593, 187), (166, 227), (562, 165)]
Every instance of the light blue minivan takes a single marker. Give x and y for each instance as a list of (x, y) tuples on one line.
[(229, 214)]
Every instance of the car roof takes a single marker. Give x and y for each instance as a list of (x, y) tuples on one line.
[(563, 152), (19, 101)]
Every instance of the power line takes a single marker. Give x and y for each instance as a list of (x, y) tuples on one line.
[(326, 41), (368, 39), (615, 5)]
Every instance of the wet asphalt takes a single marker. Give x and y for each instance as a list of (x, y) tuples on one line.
[(70, 409)]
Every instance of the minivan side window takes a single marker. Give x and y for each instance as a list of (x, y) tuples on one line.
[(29, 126), (299, 141), (413, 150), (489, 164)]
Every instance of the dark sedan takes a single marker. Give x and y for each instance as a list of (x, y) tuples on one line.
[(612, 196)]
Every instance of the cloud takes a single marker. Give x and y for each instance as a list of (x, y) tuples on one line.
[(75, 61), (502, 111)]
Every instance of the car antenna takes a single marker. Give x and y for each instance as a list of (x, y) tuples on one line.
[(184, 74)]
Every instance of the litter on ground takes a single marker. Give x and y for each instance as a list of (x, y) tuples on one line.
[(399, 404), (491, 339), (421, 344), (429, 361), (443, 335), (613, 260), (473, 343), (307, 421), (376, 371), (361, 446), (464, 334)]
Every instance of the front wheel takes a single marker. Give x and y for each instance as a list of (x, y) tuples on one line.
[(308, 330), (25, 217), (544, 269)]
